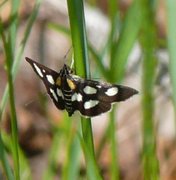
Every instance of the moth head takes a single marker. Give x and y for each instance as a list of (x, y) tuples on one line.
[(66, 70)]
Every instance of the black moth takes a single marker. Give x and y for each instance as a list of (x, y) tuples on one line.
[(73, 93)]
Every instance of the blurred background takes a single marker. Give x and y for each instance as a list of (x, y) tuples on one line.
[(144, 60)]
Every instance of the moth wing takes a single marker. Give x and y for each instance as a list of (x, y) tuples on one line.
[(49, 77), (97, 97), (115, 93)]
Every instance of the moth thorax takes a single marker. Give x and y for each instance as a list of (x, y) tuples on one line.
[(64, 71)]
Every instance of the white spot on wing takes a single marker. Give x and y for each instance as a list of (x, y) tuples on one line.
[(89, 90), (76, 97), (90, 104), (50, 79), (38, 70), (79, 97), (76, 78), (112, 91), (54, 95), (59, 93)]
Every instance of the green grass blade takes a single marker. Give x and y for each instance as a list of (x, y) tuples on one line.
[(171, 41), (2, 3), (60, 134), (127, 38), (98, 60), (4, 161), (25, 173), (59, 28), (148, 41), (3, 154), (79, 40), (19, 54), (9, 59), (113, 145), (92, 169), (71, 168), (14, 127), (112, 10), (51, 171), (112, 42), (13, 24), (64, 133), (9, 48)]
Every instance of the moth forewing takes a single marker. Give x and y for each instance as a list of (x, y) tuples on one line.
[(125, 92), (116, 93), (41, 69), (49, 77)]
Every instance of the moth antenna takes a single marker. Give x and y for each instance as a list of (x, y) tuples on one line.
[(29, 103), (68, 51), (34, 100), (72, 61)]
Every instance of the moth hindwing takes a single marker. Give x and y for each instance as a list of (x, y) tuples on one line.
[(73, 93)]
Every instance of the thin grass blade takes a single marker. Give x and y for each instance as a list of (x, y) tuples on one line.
[(79, 40), (148, 42), (19, 54), (171, 42), (127, 38)]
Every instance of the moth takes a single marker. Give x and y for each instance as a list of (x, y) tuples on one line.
[(72, 93)]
